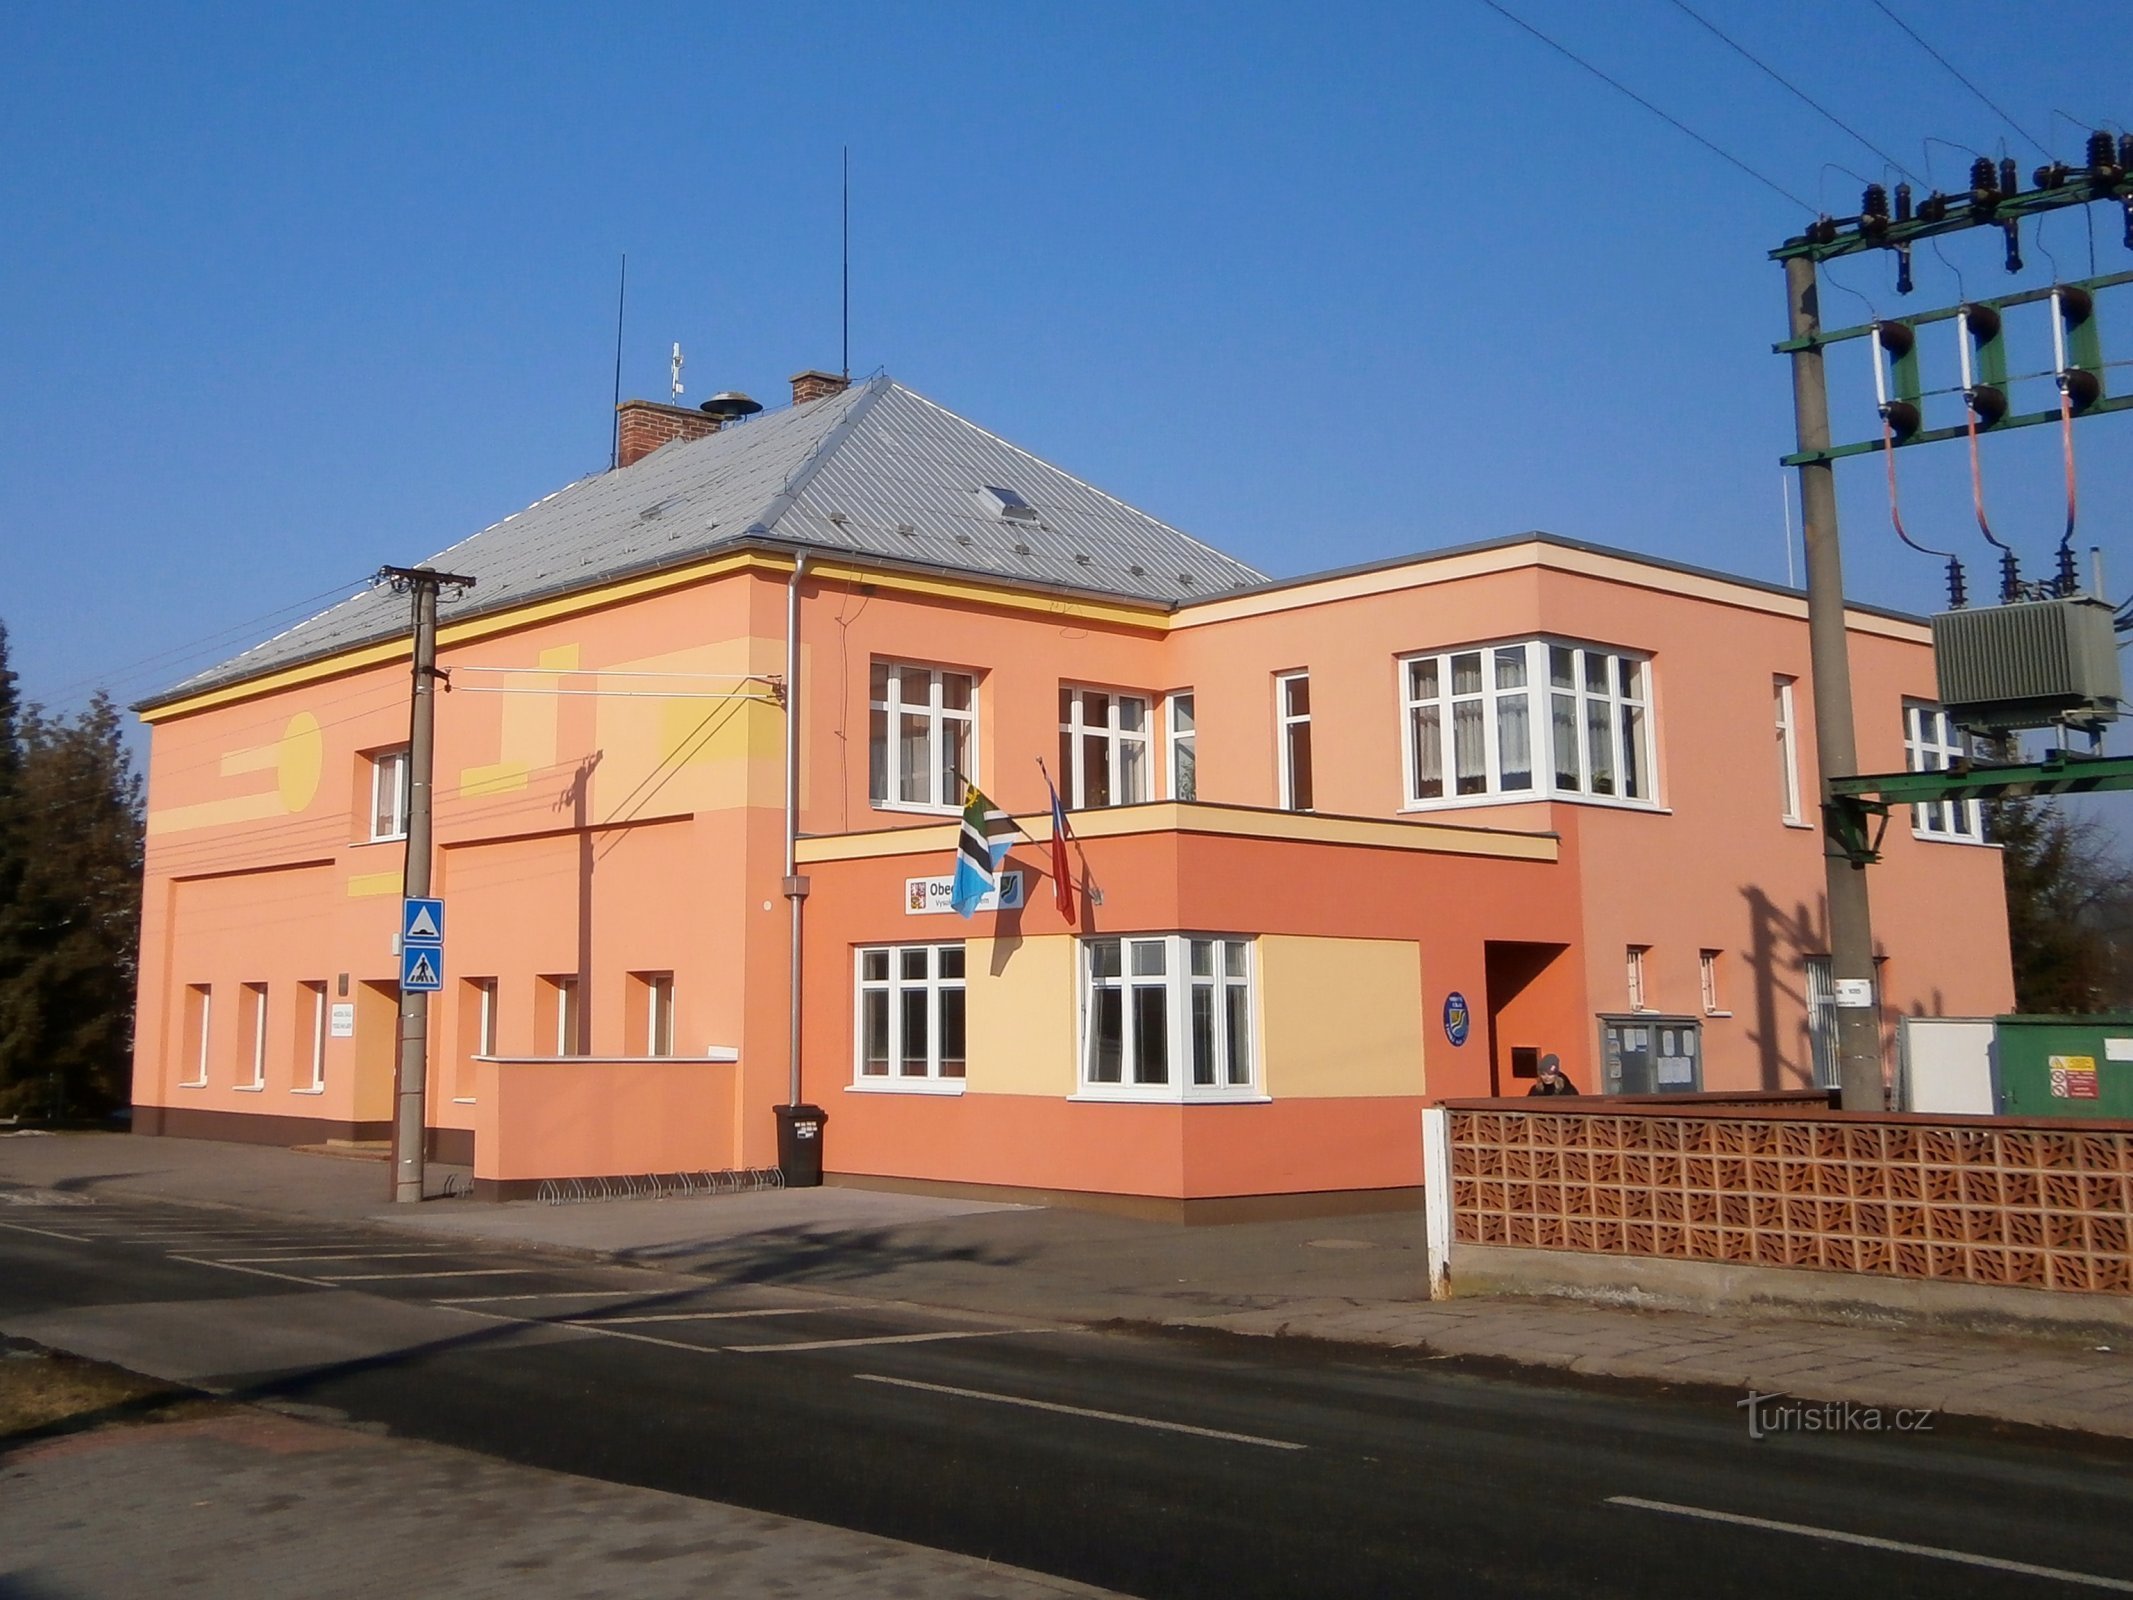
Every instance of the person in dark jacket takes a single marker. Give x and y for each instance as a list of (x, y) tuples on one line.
[(1552, 1079)]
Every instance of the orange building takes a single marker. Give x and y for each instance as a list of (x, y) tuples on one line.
[(1339, 843)]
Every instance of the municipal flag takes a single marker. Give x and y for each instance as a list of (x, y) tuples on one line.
[(980, 847)]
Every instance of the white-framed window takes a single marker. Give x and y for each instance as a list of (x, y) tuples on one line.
[(1788, 749), (1103, 747), (477, 1034), (1167, 1017), (922, 737), (388, 793), (652, 1028), (1707, 981), (1183, 732), (198, 1028), (1475, 719), (1634, 975), (909, 1011), (255, 1036), (1292, 715), (1931, 743), (321, 1012), (562, 1017)]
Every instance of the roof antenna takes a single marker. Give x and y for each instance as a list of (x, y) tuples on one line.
[(847, 263), (614, 452), (675, 364)]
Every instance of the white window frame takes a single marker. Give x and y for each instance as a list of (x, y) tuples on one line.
[(1181, 743), (1627, 714), (388, 811), (257, 994), (567, 994), (658, 1013), (485, 1023), (321, 1012), (1290, 727), (894, 985), (1788, 750), (1708, 982), (1177, 982), (1636, 972), (1129, 753), (200, 1042), (1930, 744), (942, 794)]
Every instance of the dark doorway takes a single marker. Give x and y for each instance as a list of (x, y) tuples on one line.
[(1533, 1011)]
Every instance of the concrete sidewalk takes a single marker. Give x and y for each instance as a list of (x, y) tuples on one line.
[(1356, 1281)]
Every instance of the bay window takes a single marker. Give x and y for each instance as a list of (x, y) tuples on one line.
[(1167, 1017), (1532, 719)]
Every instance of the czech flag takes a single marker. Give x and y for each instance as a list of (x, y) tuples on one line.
[(1062, 872)]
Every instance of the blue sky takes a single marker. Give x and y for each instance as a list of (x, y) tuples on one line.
[(290, 291)]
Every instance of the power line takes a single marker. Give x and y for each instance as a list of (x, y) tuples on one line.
[(1794, 89), (1674, 122), (1959, 78)]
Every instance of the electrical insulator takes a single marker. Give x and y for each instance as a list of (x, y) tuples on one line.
[(2066, 581), (1934, 208), (1823, 230), (1958, 591), (2010, 178), (1903, 202), (2102, 167), (1874, 211), (1903, 251), (2052, 177), (2125, 154), (1984, 363), (1984, 185), (2010, 578), (2013, 230), (2078, 344), (1897, 400)]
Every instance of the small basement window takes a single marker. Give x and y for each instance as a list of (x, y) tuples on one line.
[(1006, 504)]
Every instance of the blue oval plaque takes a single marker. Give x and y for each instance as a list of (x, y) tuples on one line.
[(1457, 1019)]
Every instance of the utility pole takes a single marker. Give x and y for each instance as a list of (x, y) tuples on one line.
[(1851, 931), (411, 1083)]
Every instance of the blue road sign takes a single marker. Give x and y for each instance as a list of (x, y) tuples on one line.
[(421, 969), (422, 922)]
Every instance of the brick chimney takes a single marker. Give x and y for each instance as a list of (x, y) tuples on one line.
[(646, 425), (814, 384)]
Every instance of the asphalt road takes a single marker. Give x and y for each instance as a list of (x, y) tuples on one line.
[(1161, 1467)]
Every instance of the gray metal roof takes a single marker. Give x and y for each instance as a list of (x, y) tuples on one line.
[(877, 471)]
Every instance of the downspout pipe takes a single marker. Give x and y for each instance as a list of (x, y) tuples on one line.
[(795, 885)]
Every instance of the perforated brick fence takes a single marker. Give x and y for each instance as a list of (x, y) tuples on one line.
[(1989, 1201)]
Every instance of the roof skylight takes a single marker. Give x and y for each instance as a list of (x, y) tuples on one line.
[(1006, 504)]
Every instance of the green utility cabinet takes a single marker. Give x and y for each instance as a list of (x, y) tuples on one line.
[(2063, 1066)]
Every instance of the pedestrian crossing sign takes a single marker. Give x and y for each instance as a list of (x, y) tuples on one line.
[(421, 969)]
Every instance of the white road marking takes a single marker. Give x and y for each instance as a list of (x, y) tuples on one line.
[(1932, 1552), (257, 1272), (460, 1272), (881, 1338), (588, 1327), (550, 1294), (71, 1238), (694, 1316), (1080, 1411), (352, 1255)]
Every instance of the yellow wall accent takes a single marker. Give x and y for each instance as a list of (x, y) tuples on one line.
[(364, 884), (1340, 1018), (1170, 816), (529, 731), (302, 758), (296, 759), (1018, 1021), (215, 813)]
